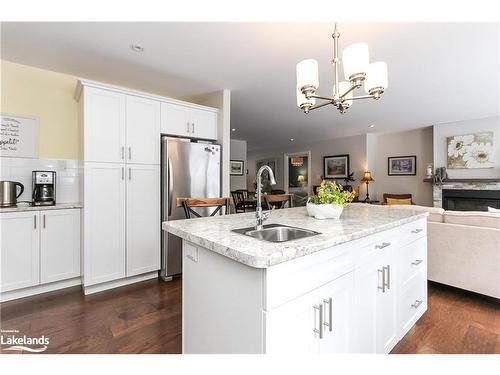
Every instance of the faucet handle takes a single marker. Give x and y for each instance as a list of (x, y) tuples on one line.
[(265, 215)]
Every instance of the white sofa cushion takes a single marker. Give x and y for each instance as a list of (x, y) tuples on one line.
[(473, 218), (435, 213), (491, 209)]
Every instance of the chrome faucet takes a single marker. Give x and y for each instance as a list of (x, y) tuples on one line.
[(262, 216)]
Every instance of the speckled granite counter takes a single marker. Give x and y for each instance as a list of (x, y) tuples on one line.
[(59, 206), (357, 220)]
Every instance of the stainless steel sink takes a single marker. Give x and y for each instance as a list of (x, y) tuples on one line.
[(276, 233)]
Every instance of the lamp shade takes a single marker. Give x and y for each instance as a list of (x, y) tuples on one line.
[(376, 76), (367, 177), (307, 73), (343, 87), (302, 100), (356, 59)]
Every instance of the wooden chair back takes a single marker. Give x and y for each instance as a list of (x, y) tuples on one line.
[(397, 196), (278, 201), (238, 196), (189, 203), (244, 192)]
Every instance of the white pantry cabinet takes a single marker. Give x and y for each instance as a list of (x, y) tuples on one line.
[(59, 245), (39, 247), (143, 219), (20, 250), (104, 222), (190, 122)]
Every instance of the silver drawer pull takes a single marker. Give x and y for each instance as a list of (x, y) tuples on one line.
[(417, 303), (320, 330), (330, 314), (415, 231), (417, 262), (384, 244), (382, 271), (387, 280)]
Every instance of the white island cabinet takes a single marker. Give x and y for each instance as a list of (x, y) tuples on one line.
[(357, 287)]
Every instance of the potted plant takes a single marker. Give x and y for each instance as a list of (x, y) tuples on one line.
[(329, 201)]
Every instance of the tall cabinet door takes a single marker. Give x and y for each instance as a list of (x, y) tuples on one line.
[(20, 254), (143, 130), (143, 219), (386, 310), (59, 245), (104, 222), (104, 129)]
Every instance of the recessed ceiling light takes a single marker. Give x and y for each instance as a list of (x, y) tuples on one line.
[(233, 129), (371, 126), (137, 48), (292, 139)]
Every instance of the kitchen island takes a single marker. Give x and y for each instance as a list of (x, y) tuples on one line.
[(357, 286)]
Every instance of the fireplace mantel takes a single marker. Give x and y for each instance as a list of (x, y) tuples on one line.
[(462, 184), (471, 180)]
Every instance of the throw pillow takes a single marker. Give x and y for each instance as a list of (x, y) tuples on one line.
[(394, 201)]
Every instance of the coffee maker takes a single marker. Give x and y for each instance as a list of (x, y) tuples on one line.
[(44, 188)]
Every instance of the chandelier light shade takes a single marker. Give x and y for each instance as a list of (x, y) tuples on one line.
[(357, 71), (376, 77), (307, 74), (356, 60)]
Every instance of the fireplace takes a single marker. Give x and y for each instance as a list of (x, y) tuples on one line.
[(470, 200)]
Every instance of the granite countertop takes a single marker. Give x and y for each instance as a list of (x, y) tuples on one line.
[(24, 207), (357, 220)]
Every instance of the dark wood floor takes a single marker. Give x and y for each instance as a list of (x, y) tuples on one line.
[(146, 318)]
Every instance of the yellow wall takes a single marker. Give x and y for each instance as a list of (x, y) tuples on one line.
[(47, 96)]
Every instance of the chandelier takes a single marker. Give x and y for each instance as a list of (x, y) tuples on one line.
[(357, 71)]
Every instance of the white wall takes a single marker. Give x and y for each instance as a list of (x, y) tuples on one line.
[(355, 146), (442, 131), (239, 152), (380, 147)]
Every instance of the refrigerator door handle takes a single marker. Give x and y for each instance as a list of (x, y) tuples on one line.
[(170, 178)]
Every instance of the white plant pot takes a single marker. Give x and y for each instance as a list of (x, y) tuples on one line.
[(324, 211)]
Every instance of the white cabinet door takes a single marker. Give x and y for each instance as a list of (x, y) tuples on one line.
[(104, 125), (337, 300), (59, 245), (175, 120), (387, 326), (203, 124), (143, 219), (20, 255), (143, 130), (104, 222)]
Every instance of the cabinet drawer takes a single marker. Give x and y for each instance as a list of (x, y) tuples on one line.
[(412, 302), (412, 259), (412, 231), (289, 280)]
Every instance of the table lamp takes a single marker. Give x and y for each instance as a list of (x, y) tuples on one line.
[(367, 177)]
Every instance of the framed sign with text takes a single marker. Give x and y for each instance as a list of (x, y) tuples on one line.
[(18, 136)]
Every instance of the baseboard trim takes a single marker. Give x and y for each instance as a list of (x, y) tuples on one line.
[(96, 288), (39, 289)]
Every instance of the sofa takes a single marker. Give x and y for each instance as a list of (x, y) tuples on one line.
[(463, 248)]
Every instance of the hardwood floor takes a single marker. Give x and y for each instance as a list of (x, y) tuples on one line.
[(146, 318), (456, 322)]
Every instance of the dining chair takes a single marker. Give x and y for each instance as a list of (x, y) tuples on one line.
[(189, 203), (241, 201), (278, 201)]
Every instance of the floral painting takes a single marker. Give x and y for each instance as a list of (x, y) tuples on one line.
[(471, 151)]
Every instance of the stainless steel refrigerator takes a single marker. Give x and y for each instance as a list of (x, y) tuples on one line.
[(188, 170)]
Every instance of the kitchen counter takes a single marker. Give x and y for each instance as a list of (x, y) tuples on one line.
[(58, 206), (357, 221)]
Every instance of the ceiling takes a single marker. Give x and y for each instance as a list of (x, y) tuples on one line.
[(438, 72)]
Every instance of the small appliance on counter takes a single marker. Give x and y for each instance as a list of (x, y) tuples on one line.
[(44, 188), (9, 194)]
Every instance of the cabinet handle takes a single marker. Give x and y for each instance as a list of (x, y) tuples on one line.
[(417, 303), (187, 127), (34, 222), (388, 279), (382, 271), (44, 221), (129, 153), (415, 231), (417, 262), (130, 173), (330, 313), (384, 244), (192, 127), (123, 173), (320, 330), (123, 152)]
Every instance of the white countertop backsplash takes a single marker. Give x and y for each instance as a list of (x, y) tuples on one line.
[(357, 221)]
